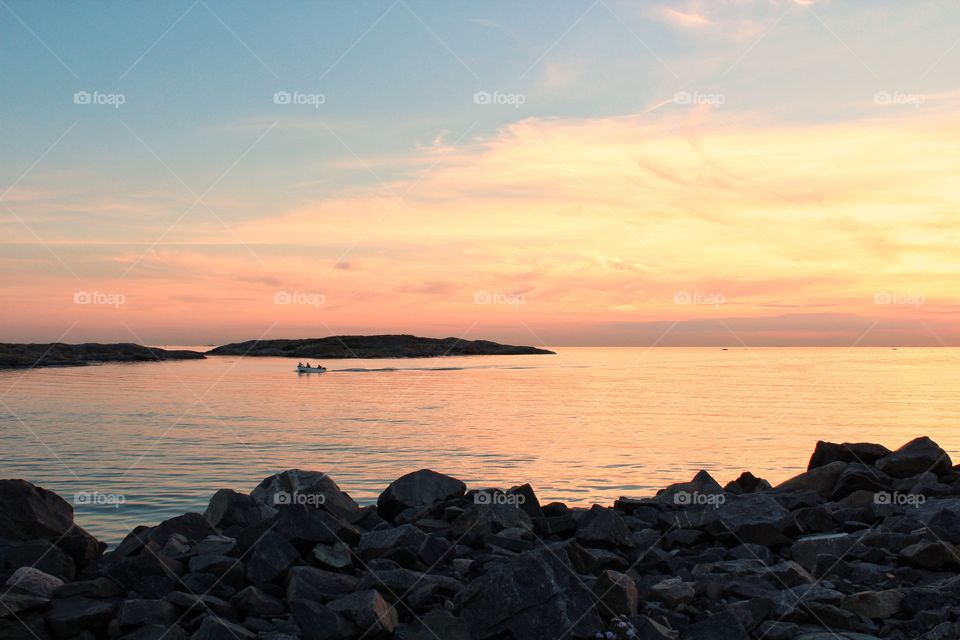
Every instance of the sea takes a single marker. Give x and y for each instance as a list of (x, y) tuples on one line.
[(131, 444)]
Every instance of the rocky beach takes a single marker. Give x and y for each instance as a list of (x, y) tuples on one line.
[(860, 546)]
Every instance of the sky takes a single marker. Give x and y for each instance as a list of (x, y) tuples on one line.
[(599, 172)]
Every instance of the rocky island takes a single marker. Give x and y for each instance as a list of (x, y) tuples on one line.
[(59, 354), (860, 546), (385, 346)]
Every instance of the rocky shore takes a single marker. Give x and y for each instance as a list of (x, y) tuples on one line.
[(58, 354), (860, 546), (384, 346)]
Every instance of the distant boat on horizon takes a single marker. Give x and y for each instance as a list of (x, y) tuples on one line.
[(305, 369)]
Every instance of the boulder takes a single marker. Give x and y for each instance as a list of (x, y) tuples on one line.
[(229, 508), (310, 525), (821, 480), (368, 611), (874, 604), (309, 488), (806, 549), (746, 483), (679, 494), (480, 520), (318, 622), (336, 556), (139, 611), (216, 628), (603, 527), (722, 626), (253, 601), (71, 616), (397, 541), (535, 596), (672, 592), (417, 489), (310, 583), (917, 456), (191, 526), (41, 554), (271, 558), (616, 594), (860, 477), (860, 452), (436, 623), (749, 518), (33, 581), (930, 555)]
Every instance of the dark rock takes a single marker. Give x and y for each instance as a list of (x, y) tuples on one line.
[(859, 477), (859, 452), (534, 596), (214, 628), (722, 626), (192, 526), (134, 613), (746, 483), (14, 604), (417, 489), (682, 494), (750, 518), (253, 601), (672, 592), (71, 616), (271, 558), (229, 508), (777, 630), (480, 520), (97, 588), (436, 623), (29, 513), (318, 622), (806, 550), (336, 556), (368, 611), (930, 555), (310, 525), (647, 628), (33, 581), (156, 632), (917, 456), (821, 480), (874, 604), (603, 527), (405, 539), (310, 583), (307, 488), (616, 594)]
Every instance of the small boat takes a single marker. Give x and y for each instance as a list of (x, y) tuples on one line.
[(302, 369)]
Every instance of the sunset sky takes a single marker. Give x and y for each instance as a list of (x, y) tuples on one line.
[(768, 172)]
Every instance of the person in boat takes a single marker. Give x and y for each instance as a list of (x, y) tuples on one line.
[(299, 364)]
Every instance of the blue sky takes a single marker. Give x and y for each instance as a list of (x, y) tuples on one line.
[(90, 189)]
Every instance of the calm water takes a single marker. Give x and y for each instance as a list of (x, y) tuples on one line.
[(587, 425)]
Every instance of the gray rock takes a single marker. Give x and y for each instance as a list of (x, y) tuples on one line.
[(71, 616), (253, 601), (679, 494), (214, 628), (603, 527), (722, 626), (930, 555), (191, 526), (318, 622), (336, 556), (375, 544), (13, 604), (311, 488), (616, 594), (647, 628), (309, 524), (271, 558), (806, 550), (917, 456), (33, 581), (417, 489), (436, 623), (672, 592), (368, 611), (821, 480), (874, 604), (859, 452), (229, 508), (480, 520), (752, 518), (310, 583), (535, 596), (137, 612)]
